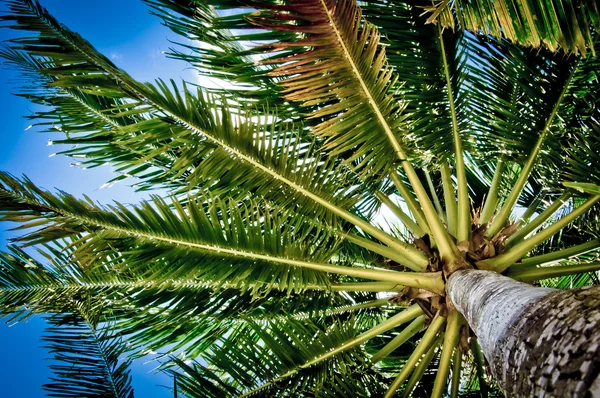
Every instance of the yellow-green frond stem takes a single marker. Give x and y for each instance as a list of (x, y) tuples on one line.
[(479, 360), (532, 208), (412, 226), (520, 250), (558, 255), (446, 247), (456, 370), (411, 202), (421, 368), (531, 274), (450, 342), (539, 220), (464, 206), (403, 253), (421, 349), (329, 312), (376, 287), (436, 200), (413, 328), (491, 200), (505, 211), (449, 198)]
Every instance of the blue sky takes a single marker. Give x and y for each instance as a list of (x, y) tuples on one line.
[(124, 31)]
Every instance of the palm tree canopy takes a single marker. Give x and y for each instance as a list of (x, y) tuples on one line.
[(267, 268)]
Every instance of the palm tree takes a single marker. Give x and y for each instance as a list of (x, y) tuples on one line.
[(266, 271)]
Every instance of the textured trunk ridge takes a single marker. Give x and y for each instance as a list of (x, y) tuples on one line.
[(539, 342)]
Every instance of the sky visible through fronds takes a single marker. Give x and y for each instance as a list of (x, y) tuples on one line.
[(134, 40)]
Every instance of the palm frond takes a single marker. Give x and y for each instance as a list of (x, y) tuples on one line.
[(552, 24), (528, 109), (157, 311), (249, 239), (160, 231), (338, 70), (287, 346), (416, 52), (176, 122), (89, 362), (174, 326), (28, 287), (195, 380), (582, 156), (221, 44), (99, 129), (198, 381), (562, 261), (266, 272), (514, 94)]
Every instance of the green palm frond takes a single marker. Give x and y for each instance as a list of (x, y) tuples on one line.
[(582, 157), (295, 361), (207, 232), (516, 95), (28, 286), (98, 129), (176, 150), (416, 52), (352, 103), (195, 380), (550, 23), (572, 281), (562, 261), (153, 232), (432, 66), (224, 56), (157, 311), (265, 158), (180, 326), (530, 108), (88, 359), (186, 125)]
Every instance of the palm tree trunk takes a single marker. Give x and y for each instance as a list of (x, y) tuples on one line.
[(537, 341)]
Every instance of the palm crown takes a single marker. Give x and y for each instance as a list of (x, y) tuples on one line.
[(264, 265)]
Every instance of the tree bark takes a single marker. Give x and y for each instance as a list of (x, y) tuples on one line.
[(539, 342)]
